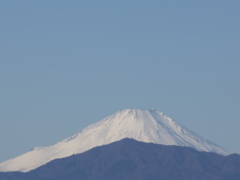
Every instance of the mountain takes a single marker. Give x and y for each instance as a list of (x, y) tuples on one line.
[(130, 159), (142, 125)]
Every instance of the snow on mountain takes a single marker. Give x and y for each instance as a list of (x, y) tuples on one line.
[(142, 125)]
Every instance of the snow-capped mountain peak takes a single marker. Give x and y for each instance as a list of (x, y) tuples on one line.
[(142, 125)]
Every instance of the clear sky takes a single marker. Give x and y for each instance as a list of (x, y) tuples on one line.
[(67, 64)]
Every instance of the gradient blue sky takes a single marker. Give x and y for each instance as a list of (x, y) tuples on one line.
[(67, 64)]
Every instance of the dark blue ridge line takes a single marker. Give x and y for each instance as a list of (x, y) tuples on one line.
[(129, 159)]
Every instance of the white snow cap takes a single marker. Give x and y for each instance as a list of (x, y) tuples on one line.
[(142, 125)]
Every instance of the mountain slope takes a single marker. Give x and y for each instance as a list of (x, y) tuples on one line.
[(142, 125), (130, 159)]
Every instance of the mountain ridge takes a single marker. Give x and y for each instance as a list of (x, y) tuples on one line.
[(142, 125), (130, 159)]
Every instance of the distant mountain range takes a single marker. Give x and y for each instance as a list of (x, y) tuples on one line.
[(129, 159), (142, 125)]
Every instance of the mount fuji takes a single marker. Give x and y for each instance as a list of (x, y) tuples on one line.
[(141, 125)]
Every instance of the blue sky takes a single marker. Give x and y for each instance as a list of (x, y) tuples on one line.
[(67, 64)]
